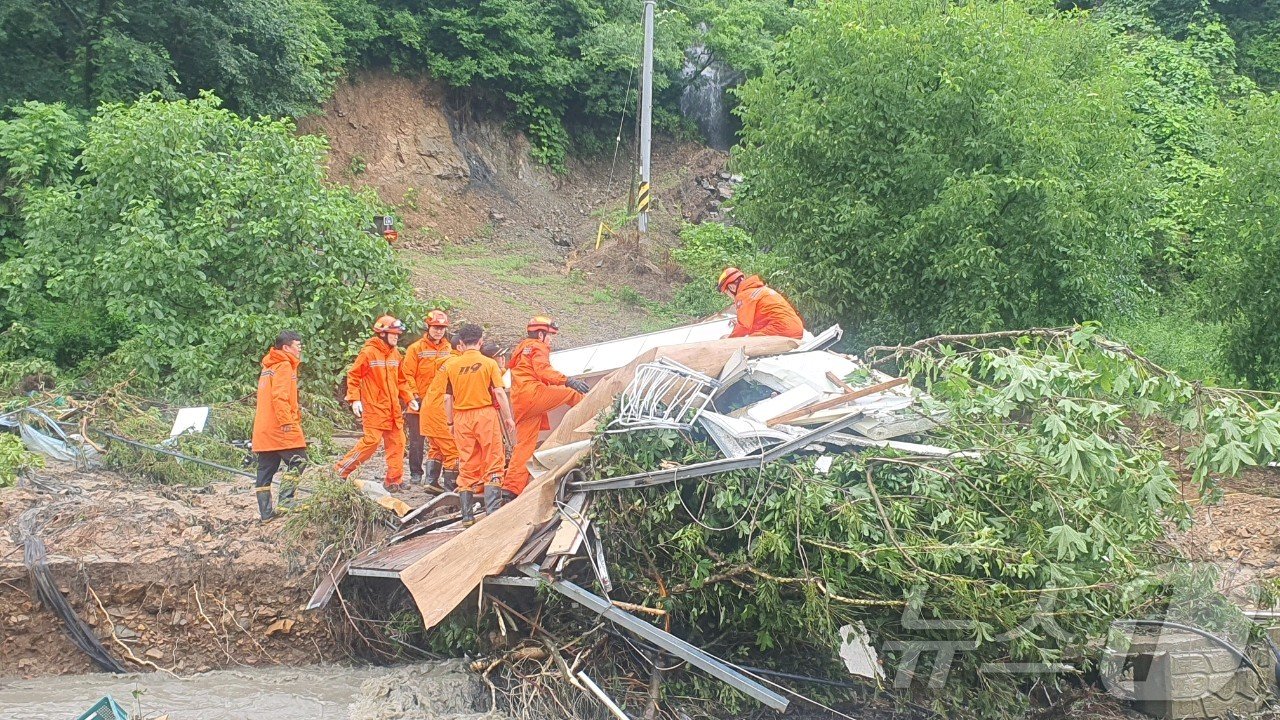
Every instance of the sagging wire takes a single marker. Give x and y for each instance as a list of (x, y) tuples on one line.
[(755, 496)]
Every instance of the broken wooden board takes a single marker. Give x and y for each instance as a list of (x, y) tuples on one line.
[(328, 586), (444, 577)]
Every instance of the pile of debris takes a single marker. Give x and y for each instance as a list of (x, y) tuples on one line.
[(759, 399)]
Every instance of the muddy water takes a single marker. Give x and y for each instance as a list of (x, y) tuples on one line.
[(443, 691)]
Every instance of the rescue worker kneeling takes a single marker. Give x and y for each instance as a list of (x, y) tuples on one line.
[(473, 383), (536, 390), (761, 310)]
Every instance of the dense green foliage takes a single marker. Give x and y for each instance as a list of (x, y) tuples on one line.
[(562, 65), (277, 57), (1245, 274), (15, 459), (1030, 549), (978, 168), (914, 168), (176, 239)]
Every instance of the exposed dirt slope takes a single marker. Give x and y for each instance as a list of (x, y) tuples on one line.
[(500, 236), (187, 579)]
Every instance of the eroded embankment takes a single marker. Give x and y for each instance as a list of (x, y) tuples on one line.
[(168, 578)]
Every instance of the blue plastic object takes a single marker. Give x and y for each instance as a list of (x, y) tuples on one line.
[(105, 709)]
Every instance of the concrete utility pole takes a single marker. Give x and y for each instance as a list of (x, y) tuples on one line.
[(646, 121)]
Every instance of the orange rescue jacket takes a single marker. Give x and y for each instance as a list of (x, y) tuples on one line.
[(531, 371), (763, 311), (421, 360), (376, 379), (277, 422), (531, 366)]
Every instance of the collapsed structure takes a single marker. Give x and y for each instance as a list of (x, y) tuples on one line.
[(759, 399)]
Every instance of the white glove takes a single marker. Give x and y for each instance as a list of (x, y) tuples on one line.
[(414, 405), (357, 409)]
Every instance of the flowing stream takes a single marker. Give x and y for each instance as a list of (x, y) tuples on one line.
[(705, 101)]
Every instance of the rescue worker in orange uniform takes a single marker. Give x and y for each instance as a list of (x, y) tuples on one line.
[(375, 388), (421, 360), (761, 309), (277, 422), (443, 448), (536, 390), (472, 383)]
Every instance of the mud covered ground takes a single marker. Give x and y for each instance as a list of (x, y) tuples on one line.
[(170, 578), (441, 691)]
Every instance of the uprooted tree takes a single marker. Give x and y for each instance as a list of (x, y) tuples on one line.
[(1024, 552)]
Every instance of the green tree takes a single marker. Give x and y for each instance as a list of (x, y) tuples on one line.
[(268, 57), (195, 235), (931, 169), (1244, 279)]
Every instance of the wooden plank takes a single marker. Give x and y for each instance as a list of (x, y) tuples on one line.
[(568, 538), (444, 578), (844, 399), (327, 587), (835, 380)]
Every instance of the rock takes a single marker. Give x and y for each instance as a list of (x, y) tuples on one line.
[(735, 179), (725, 191), (124, 632), (707, 185), (725, 176), (496, 216), (283, 626), (154, 653), (192, 533)]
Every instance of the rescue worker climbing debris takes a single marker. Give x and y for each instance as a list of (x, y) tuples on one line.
[(421, 361), (277, 422), (761, 309), (472, 383), (376, 387), (536, 390)]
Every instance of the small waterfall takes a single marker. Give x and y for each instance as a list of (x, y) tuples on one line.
[(705, 100)]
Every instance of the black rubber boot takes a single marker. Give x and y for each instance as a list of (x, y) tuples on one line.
[(265, 512), (492, 498), (467, 500), (449, 480), (433, 472), (415, 479), (506, 496)]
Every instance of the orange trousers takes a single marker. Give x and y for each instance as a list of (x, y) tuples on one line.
[(393, 442), (480, 453), (530, 408), (444, 449)]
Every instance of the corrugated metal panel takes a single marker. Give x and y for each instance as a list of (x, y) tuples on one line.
[(389, 561)]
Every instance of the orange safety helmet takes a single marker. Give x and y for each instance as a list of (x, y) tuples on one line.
[(437, 318), (388, 324), (542, 322), (727, 277)]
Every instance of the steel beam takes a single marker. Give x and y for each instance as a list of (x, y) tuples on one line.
[(714, 467), (701, 659)]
